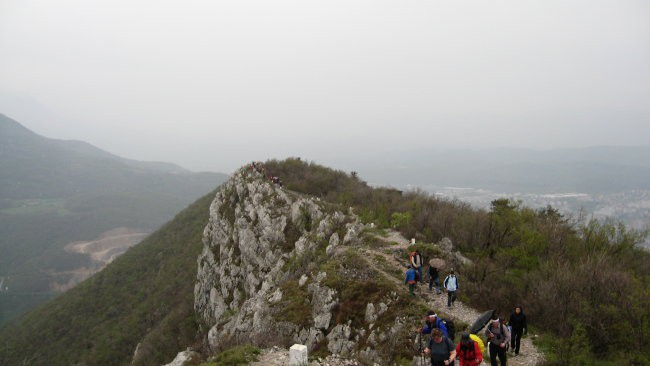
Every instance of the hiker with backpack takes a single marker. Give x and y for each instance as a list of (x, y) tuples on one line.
[(519, 327), (416, 262), (434, 278), (451, 285), (431, 322), (499, 338), (441, 349), (411, 280), (468, 352)]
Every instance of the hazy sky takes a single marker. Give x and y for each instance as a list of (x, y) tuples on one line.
[(212, 84)]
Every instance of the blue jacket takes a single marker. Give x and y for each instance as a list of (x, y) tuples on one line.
[(438, 324), (410, 276)]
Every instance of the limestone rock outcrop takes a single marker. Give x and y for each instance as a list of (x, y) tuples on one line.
[(268, 270)]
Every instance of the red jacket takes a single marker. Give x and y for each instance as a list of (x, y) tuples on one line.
[(469, 358)]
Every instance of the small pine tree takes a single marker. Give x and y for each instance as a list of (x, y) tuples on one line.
[(579, 349)]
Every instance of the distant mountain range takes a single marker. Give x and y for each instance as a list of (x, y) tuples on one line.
[(32, 166), (54, 193)]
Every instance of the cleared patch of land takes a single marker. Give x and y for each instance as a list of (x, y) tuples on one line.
[(109, 245), (102, 250)]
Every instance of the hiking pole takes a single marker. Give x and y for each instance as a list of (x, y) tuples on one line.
[(421, 350), (418, 343)]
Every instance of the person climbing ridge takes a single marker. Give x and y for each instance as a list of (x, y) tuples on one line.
[(519, 327), (416, 262), (441, 349), (431, 322), (499, 337), (451, 285), (468, 352), (434, 278), (411, 280)]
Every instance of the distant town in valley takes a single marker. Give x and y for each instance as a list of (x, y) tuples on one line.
[(630, 207)]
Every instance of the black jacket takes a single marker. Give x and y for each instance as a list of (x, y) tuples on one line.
[(517, 321)]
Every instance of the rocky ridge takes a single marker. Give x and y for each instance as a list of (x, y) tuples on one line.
[(279, 268), (276, 269)]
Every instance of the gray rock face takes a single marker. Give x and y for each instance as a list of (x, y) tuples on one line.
[(185, 358), (446, 245), (253, 230), (323, 300), (255, 234), (339, 340), (371, 315)]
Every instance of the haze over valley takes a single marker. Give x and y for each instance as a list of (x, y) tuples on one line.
[(205, 179), (67, 209), (605, 182)]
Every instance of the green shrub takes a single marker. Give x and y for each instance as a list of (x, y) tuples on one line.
[(239, 355)]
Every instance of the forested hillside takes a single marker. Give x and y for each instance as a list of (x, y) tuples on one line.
[(145, 296), (55, 192), (583, 285)]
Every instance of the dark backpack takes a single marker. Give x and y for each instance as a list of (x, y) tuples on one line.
[(451, 327)]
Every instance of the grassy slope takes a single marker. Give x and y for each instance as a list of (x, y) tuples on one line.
[(148, 290)]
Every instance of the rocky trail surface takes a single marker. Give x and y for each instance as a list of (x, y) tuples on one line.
[(460, 312), (280, 357)]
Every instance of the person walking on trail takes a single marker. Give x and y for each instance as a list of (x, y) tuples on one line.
[(499, 337), (416, 262), (411, 280), (517, 323), (431, 322), (468, 352), (434, 278), (451, 285), (441, 349)]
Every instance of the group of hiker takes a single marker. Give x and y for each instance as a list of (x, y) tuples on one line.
[(469, 351), (259, 167), (441, 349), (414, 275)]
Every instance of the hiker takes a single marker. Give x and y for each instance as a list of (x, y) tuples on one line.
[(517, 322), (276, 180), (416, 262), (411, 279), (431, 322), (434, 278), (499, 337), (468, 352), (451, 285), (441, 349)]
